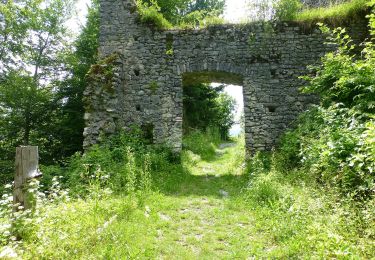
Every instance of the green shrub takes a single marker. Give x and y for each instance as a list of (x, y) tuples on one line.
[(259, 163), (334, 142), (122, 163), (150, 14), (343, 77), (264, 189), (286, 10)]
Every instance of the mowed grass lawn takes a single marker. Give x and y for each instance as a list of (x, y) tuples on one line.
[(212, 209)]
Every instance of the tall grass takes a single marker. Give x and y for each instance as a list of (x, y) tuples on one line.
[(203, 144), (337, 13)]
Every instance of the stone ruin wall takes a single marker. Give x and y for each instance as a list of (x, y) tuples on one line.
[(150, 66)]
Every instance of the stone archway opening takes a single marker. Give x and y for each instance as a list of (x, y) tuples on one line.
[(147, 67), (205, 84)]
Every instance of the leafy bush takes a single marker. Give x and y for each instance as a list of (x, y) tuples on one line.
[(286, 10), (150, 14), (181, 14), (343, 77), (123, 162), (335, 141), (264, 190)]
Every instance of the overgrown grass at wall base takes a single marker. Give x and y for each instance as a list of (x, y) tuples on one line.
[(335, 148), (264, 214), (334, 142), (294, 205), (122, 163)]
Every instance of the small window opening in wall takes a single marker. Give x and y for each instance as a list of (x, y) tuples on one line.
[(148, 133), (169, 43), (271, 109), (137, 72), (138, 107), (273, 72)]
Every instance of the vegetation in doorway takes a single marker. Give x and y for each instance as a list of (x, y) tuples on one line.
[(207, 107), (169, 44), (311, 198)]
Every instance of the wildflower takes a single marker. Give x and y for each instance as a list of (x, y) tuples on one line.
[(8, 252)]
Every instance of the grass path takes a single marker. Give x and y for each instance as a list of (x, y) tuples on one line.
[(204, 213), (197, 220)]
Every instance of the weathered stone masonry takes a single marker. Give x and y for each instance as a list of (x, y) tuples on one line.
[(142, 84)]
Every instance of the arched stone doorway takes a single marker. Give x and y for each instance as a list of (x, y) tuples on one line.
[(147, 75)]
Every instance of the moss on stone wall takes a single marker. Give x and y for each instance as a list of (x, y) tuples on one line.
[(153, 86), (103, 72)]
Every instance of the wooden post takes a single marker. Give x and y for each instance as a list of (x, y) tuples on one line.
[(27, 168)]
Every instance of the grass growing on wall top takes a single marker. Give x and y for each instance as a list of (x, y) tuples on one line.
[(150, 14), (334, 13)]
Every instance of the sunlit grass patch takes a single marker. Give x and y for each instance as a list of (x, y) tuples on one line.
[(187, 215)]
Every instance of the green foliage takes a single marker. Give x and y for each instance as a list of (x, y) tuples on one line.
[(293, 10), (125, 159), (79, 61), (275, 216), (165, 14), (14, 24), (200, 19), (150, 14), (202, 143), (205, 106), (264, 190), (154, 86), (286, 10), (334, 141), (343, 78), (31, 61), (336, 151)]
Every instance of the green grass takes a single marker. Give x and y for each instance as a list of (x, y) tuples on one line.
[(150, 14), (188, 215), (337, 13)]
